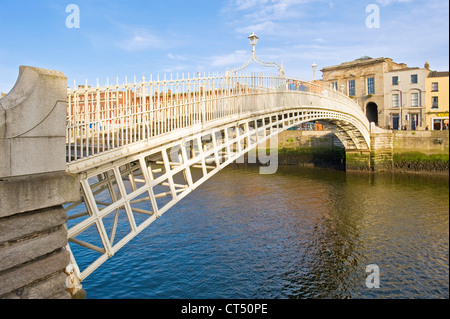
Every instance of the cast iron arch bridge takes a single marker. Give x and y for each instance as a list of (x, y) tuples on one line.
[(140, 147)]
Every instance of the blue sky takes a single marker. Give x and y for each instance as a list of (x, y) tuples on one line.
[(136, 37)]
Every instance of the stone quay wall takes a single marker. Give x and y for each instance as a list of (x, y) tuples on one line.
[(406, 151), (421, 151)]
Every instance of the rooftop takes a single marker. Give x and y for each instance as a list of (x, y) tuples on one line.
[(365, 57), (361, 61), (438, 74), (406, 69)]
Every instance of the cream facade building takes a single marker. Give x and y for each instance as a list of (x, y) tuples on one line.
[(437, 101), (405, 98), (392, 95)]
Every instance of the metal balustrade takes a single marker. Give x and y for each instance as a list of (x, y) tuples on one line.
[(103, 118)]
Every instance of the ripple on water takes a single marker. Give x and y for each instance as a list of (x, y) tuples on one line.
[(300, 233)]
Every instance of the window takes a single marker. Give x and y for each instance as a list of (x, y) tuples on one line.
[(434, 87), (395, 80), (434, 102), (370, 85), (351, 87), (395, 100), (413, 78), (395, 121), (334, 85), (438, 124), (414, 99)]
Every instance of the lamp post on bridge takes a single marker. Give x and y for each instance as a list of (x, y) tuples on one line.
[(314, 68), (253, 41)]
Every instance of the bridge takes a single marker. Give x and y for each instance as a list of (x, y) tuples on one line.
[(134, 150), (139, 148)]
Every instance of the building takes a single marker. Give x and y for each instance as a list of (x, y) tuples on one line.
[(405, 98), (364, 80), (437, 101)]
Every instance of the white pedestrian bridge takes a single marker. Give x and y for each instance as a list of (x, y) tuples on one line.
[(141, 146)]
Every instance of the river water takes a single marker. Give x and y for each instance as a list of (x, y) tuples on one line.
[(299, 233)]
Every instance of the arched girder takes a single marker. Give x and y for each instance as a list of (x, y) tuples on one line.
[(350, 136), (346, 128)]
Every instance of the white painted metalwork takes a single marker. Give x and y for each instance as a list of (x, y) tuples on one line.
[(105, 118), (253, 41), (101, 119), (141, 147)]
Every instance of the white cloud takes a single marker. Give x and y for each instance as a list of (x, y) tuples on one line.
[(140, 40), (388, 2), (268, 27), (230, 60), (248, 4), (175, 68), (330, 32), (174, 56), (264, 16), (275, 10)]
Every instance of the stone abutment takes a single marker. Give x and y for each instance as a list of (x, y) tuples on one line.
[(34, 186)]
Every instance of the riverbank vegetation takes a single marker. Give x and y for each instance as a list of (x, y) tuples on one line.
[(417, 161)]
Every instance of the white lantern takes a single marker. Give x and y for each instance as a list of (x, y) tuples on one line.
[(253, 39)]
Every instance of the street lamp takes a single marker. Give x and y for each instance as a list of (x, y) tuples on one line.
[(314, 67), (253, 41)]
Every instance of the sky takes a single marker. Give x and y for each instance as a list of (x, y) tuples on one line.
[(135, 38)]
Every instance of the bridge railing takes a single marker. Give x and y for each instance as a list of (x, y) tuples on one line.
[(325, 90), (103, 118)]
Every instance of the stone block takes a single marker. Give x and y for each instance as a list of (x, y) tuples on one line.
[(51, 287), (24, 194), (26, 224), (32, 123), (20, 252), (5, 156), (31, 155), (2, 122), (33, 98), (32, 272)]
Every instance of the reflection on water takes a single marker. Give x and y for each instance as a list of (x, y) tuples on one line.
[(299, 233)]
